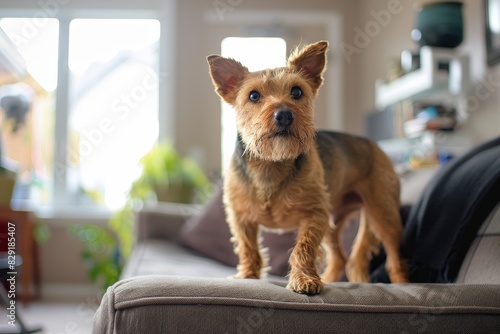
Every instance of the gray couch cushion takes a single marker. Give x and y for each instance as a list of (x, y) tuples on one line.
[(163, 304), (161, 257), (482, 264)]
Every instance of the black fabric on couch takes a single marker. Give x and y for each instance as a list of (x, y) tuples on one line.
[(443, 223)]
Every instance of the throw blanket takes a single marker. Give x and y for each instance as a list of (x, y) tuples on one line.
[(443, 223)]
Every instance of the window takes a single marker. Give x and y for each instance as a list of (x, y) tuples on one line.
[(98, 113), (256, 53), (113, 118), (32, 147)]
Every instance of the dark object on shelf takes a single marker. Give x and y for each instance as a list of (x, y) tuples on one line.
[(439, 25)]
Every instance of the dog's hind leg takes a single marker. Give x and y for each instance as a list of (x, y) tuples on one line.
[(336, 255), (385, 222), (364, 245)]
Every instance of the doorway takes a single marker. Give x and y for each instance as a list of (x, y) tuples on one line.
[(295, 29)]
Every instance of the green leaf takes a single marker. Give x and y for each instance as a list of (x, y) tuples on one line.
[(42, 233)]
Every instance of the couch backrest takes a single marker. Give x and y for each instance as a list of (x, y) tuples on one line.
[(482, 263)]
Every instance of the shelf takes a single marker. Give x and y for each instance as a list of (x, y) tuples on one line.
[(429, 83), (441, 79)]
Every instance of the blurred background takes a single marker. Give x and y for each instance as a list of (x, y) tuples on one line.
[(94, 93)]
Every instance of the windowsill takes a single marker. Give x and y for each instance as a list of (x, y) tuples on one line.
[(68, 212)]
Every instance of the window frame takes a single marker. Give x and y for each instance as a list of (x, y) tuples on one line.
[(60, 206)]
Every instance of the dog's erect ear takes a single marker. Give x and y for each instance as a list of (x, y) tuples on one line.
[(310, 61), (226, 75)]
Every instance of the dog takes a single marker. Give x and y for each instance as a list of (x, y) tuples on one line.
[(284, 175)]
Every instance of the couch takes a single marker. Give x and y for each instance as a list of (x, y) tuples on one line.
[(174, 283)]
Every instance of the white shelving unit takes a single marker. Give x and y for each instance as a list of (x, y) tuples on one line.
[(429, 83), (441, 79)]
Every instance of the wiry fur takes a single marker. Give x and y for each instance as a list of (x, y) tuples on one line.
[(301, 179)]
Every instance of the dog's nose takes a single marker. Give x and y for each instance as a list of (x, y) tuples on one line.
[(283, 117)]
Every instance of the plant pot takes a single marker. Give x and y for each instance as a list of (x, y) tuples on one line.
[(174, 192), (439, 24), (7, 183)]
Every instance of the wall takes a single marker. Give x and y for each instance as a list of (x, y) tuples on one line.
[(395, 37), (62, 270)]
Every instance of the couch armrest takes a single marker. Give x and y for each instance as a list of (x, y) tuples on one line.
[(163, 220), (157, 304)]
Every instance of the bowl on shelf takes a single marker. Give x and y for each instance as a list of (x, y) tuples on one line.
[(439, 24)]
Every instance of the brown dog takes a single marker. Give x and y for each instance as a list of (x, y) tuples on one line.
[(284, 175)]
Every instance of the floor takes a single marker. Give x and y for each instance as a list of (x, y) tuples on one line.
[(57, 317)]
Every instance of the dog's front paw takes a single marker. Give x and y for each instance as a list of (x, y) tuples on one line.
[(305, 284)]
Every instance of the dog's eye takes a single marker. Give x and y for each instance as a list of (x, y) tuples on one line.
[(296, 93), (254, 96)]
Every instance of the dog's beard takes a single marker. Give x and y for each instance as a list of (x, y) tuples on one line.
[(279, 145)]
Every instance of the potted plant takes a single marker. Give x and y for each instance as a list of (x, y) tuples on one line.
[(169, 176), (166, 176), (15, 107), (100, 253)]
